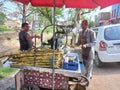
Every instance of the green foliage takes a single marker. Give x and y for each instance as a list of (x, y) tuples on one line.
[(71, 14), (91, 24), (2, 18), (47, 30), (7, 71), (4, 28), (80, 14), (45, 14), (8, 38), (1, 6)]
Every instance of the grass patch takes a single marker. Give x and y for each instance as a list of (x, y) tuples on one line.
[(7, 71), (8, 38), (4, 28), (47, 30)]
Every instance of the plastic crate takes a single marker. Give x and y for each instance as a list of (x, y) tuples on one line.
[(70, 66), (71, 62)]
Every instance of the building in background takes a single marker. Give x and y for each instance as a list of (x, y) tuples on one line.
[(115, 14), (104, 18), (110, 17)]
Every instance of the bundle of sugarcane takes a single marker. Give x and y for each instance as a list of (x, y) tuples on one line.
[(39, 58)]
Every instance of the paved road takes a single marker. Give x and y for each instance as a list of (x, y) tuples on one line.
[(106, 78)]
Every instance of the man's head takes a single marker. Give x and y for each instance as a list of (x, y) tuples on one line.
[(25, 26), (84, 24)]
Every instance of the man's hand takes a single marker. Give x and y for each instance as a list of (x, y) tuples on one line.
[(84, 46), (73, 46), (33, 45), (38, 37)]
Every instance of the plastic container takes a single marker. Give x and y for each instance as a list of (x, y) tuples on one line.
[(71, 62), (70, 66)]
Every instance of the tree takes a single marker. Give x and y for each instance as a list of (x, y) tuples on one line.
[(2, 8), (80, 14), (2, 13), (24, 11), (45, 14), (2, 18), (91, 23)]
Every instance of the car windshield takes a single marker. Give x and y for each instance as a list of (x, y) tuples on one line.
[(112, 33)]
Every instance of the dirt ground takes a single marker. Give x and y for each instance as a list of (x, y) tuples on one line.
[(105, 78), (9, 43)]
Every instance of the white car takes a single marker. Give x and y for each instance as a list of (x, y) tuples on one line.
[(107, 48)]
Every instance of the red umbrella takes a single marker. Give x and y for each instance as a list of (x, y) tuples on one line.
[(105, 3), (47, 3), (89, 3), (71, 3), (44, 3), (80, 4)]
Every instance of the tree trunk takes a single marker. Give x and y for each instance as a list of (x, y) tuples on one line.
[(24, 14), (77, 17)]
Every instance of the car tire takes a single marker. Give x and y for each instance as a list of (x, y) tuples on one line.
[(97, 61), (118, 63)]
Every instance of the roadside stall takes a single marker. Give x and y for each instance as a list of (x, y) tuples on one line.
[(36, 68), (48, 68), (37, 73)]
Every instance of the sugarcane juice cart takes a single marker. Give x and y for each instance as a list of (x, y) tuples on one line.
[(39, 72), (40, 75)]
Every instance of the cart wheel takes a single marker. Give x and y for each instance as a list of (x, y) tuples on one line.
[(83, 81), (76, 87), (29, 87)]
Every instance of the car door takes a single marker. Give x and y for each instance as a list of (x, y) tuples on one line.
[(112, 39)]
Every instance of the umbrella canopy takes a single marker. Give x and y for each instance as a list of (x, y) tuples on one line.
[(80, 4), (89, 3), (47, 3), (71, 3)]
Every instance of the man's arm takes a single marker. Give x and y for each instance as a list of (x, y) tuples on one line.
[(31, 37)]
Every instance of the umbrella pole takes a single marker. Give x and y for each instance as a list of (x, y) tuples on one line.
[(35, 52), (53, 58)]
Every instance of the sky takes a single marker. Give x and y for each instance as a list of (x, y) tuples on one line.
[(10, 7)]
